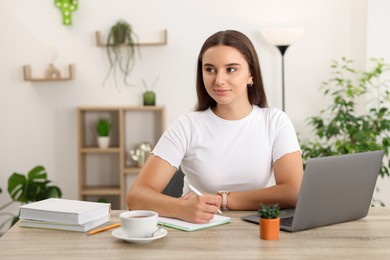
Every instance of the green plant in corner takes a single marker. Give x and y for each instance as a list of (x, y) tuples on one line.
[(271, 211), (103, 127), (28, 188), (121, 43), (341, 128)]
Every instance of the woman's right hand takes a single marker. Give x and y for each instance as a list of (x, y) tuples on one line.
[(199, 209)]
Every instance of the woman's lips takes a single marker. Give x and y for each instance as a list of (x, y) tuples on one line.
[(221, 92)]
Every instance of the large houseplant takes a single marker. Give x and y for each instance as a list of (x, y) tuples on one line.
[(121, 43), (33, 186), (343, 128)]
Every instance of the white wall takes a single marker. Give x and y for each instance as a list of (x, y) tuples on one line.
[(38, 120)]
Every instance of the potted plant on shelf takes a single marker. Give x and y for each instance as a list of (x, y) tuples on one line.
[(121, 43), (34, 186), (149, 96), (103, 128), (269, 221)]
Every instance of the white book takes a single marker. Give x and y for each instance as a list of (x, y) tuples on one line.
[(65, 211), (188, 226), (61, 226)]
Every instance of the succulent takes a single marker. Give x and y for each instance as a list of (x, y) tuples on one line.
[(269, 211)]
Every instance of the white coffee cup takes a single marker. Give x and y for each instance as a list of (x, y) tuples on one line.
[(138, 223)]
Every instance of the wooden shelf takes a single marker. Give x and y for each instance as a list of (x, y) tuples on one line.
[(103, 167), (164, 40), (131, 170), (100, 150), (128, 108), (27, 75)]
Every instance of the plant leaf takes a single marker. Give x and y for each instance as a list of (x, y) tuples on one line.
[(16, 187), (37, 174)]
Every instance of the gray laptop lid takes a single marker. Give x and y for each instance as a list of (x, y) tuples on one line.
[(334, 189)]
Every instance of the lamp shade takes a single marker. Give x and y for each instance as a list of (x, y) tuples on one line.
[(282, 36)]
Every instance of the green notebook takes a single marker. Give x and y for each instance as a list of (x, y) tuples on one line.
[(188, 226)]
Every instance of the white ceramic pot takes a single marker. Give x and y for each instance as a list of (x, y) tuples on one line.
[(103, 141)]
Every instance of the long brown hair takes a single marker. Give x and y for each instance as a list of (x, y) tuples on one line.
[(237, 40)]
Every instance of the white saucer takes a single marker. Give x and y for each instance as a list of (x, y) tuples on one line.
[(118, 233)]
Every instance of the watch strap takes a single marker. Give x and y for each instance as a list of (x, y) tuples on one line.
[(224, 195)]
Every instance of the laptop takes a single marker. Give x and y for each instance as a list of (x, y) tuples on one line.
[(334, 189)]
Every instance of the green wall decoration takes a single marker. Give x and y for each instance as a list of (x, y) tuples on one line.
[(66, 7)]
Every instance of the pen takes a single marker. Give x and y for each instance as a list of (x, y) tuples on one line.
[(192, 188), (93, 232)]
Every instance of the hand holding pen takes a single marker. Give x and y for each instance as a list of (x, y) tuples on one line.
[(197, 193)]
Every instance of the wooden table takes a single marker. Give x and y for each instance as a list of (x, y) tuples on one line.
[(367, 238)]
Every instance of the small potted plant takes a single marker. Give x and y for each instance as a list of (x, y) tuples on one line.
[(149, 95), (103, 128), (269, 221)]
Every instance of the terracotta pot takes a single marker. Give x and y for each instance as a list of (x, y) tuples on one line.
[(269, 228)]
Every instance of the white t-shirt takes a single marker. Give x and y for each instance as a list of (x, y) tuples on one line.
[(234, 155)]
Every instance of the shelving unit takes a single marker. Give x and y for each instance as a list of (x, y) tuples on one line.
[(103, 173)]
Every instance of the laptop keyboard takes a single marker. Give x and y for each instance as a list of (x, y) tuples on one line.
[(286, 222)]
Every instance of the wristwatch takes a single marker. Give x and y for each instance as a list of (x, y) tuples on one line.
[(224, 195)]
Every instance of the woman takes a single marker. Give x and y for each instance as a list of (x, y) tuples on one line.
[(228, 146)]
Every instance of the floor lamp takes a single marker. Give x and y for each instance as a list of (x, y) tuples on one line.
[(282, 38)]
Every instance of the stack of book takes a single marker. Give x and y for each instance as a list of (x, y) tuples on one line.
[(63, 214)]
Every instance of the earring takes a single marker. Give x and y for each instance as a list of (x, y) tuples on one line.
[(250, 84)]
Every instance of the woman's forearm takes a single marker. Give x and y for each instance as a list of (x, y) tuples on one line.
[(283, 194), (149, 199)]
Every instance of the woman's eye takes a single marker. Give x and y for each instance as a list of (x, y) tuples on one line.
[(231, 69), (210, 70)]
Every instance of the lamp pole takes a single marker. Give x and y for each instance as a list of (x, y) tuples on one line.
[(282, 38), (283, 49)]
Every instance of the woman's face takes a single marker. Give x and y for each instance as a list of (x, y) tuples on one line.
[(226, 75)]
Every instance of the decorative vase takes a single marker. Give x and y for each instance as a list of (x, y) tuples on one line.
[(269, 228), (149, 98), (103, 141)]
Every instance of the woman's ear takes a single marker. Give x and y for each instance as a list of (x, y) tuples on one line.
[(250, 81)]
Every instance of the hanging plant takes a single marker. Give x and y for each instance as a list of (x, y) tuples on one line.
[(121, 43)]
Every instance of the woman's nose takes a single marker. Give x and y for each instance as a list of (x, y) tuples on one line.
[(220, 78)]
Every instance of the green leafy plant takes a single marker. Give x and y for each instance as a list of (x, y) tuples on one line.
[(102, 200), (121, 43), (28, 188), (103, 127), (341, 129), (271, 211)]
